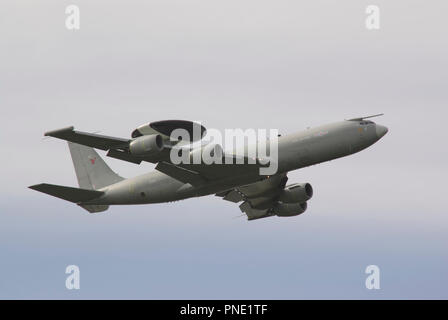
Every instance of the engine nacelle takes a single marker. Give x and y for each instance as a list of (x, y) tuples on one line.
[(289, 209), (146, 145), (296, 193)]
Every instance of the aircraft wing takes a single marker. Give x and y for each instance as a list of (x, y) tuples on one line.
[(194, 174), (184, 175), (89, 139), (202, 174), (117, 147), (258, 198)]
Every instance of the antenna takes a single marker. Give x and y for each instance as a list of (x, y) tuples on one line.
[(366, 117)]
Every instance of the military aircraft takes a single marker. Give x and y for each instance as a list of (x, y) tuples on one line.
[(261, 196)]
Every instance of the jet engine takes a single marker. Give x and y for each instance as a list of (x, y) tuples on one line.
[(289, 209), (146, 145), (296, 193)]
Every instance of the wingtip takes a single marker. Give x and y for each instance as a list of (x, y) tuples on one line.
[(53, 133), (35, 186)]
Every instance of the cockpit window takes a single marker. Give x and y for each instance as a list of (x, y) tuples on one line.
[(365, 122)]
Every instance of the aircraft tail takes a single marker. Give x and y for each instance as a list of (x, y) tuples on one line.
[(75, 195), (91, 170), (92, 174)]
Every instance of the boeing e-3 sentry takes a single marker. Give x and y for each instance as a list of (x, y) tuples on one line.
[(261, 195)]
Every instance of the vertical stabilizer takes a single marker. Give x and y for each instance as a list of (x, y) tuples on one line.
[(91, 170)]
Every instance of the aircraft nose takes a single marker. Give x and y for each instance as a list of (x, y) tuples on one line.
[(381, 130)]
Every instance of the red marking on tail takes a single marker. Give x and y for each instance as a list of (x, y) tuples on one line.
[(93, 160)]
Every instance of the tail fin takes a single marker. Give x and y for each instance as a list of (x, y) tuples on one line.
[(92, 173), (91, 170)]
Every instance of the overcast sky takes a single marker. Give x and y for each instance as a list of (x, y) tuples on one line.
[(281, 64)]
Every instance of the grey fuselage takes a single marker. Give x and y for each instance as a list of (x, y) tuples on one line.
[(295, 151)]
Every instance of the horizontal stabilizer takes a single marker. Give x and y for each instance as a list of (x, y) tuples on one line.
[(75, 195)]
